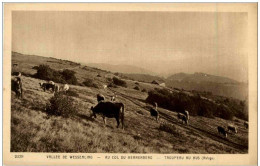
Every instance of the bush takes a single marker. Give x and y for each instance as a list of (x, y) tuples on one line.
[(194, 104), (168, 128), (90, 83), (61, 105), (119, 82), (46, 73), (144, 90), (69, 76), (136, 88)]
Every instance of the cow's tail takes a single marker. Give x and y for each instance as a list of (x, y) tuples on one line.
[(122, 114)]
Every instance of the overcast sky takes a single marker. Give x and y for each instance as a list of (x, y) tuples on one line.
[(163, 42)]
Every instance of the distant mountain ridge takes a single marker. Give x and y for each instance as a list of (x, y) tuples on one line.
[(200, 77), (128, 69)]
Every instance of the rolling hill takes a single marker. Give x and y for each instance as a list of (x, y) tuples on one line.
[(34, 130), (200, 77), (120, 68), (217, 85)]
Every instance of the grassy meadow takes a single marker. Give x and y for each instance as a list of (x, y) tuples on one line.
[(33, 130)]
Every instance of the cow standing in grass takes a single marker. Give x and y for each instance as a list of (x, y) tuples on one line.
[(17, 86), (154, 112), (65, 87), (221, 130), (232, 128), (110, 110), (50, 86), (47, 86)]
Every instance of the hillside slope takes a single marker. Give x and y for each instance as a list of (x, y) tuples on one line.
[(33, 130)]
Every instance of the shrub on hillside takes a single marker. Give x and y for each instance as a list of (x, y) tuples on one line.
[(194, 104), (144, 90), (61, 105), (46, 73), (69, 76), (119, 82), (90, 83), (168, 128)]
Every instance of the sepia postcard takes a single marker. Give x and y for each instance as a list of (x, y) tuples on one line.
[(130, 84)]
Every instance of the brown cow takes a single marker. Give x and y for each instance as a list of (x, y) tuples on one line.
[(154, 113)]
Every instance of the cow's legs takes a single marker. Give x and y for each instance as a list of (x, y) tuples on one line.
[(118, 122), (104, 119)]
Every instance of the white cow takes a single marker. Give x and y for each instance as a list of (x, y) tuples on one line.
[(66, 87)]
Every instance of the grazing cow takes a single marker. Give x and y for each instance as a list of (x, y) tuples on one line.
[(154, 113), (246, 124), (65, 87), (232, 128), (222, 131), (17, 86), (100, 97), (47, 86), (110, 110), (187, 114), (183, 118)]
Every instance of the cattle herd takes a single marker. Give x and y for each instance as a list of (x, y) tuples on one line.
[(109, 109)]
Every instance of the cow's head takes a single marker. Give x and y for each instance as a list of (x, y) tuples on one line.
[(93, 112)]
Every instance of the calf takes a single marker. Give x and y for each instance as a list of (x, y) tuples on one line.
[(47, 86), (110, 110), (154, 113), (17, 86), (222, 131), (65, 87), (232, 128), (100, 97)]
